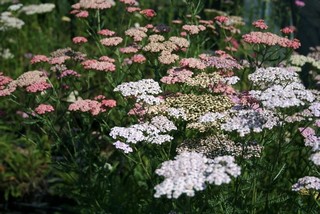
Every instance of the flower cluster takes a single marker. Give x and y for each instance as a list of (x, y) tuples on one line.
[(190, 171), (270, 39), (38, 8), (244, 121), (43, 108), (217, 145), (95, 107), (150, 132), (308, 182), (98, 65), (139, 88), (266, 77)]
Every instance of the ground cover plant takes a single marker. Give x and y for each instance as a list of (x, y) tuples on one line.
[(147, 107)]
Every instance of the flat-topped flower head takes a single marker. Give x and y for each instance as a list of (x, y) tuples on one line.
[(43, 109), (111, 41), (79, 39), (193, 29), (307, 182), (141, 87), (96, 4), (106, 32), (270, 39), (93, 64), (137, 33), (149, 13), (39, 58), (260, 24), (191, 171), (176, 75)]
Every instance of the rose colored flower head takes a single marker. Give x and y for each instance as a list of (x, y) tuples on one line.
[(149, 26), (149, 13), (221, 19), (39, 58), (82, 14), (44, 108), (79, 39), (138, 58), (129, 2), (132, 9), (288, 30), (98, 65), (106, 32), (38, 87), (109, 103), (260, 24), (107, 59), (300, 3)]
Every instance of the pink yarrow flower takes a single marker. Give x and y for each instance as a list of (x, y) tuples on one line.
[(39, 58), (79, 39), (288, 30), (106, 32), (221, 19), (260, 24), (43, 108), (98, 65), (149, 13), (66, 73), (138, 58), (111, 41), (82, 14), (38, 87), (132, 9)]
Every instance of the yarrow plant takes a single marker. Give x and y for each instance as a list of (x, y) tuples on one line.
[(190, 115)]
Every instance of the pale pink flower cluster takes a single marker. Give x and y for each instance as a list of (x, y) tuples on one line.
[(98, 65), (39, 58), (270, 39), (132, 9), (66, 73), (93, 106), (106, 32), (137, 33), (5, 87), (260, 24), (111, 41), (95, 4), (38, 87), (129, 49), (149, 13), (43, 108), (30, 77), (58, 60), (288, 30), (138, 58), (221, 62), (310, 138), (107, 59), (129, 2), (193, 63), (176, 75), (79, 39), (221, 19), (193, 29), (167, 57)]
